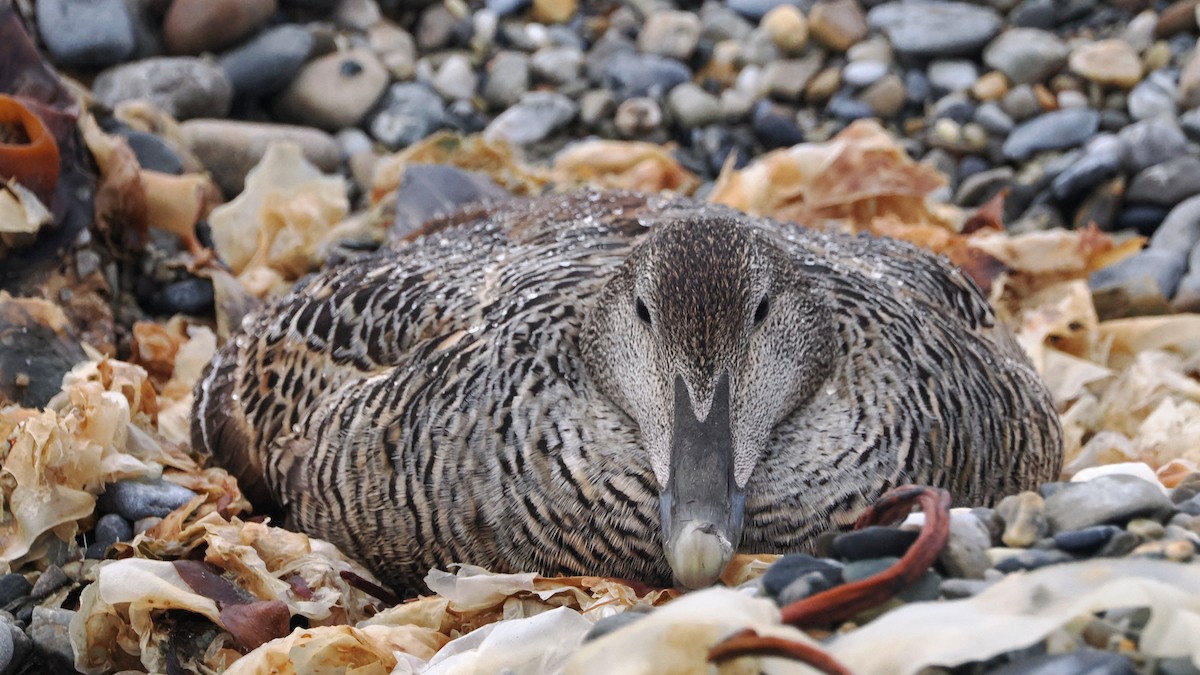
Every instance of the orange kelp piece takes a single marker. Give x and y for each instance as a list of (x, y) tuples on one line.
[(28, 152)]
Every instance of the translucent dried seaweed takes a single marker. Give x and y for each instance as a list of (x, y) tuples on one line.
[(473, 153), (628, 165)]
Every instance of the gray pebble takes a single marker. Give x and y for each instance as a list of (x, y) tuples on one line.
[(628, 75), (873, 542), (720, 22), (862, 73), (1114, 499), (430, 190), (923, 28), (557, 65), (1056, 130), (1032, 559), (1180, 231), (1166, 184), (507, 79), (15, 646), (538, 115), (951, 75), (268, 62), (670, 33), (86, 33), (1026, 55), (1152, 97), (612, 623), (1086, 541), (50, 580), (924, 588), (1139, 284), (1079, 178), (691, 106), (957, 589), (1089, 661), (756, 9), (965, 554), (1021, 103), (1151, 142), (184, 87), (13, 587), (153, 153), (134, 499), (455, 79), (112, 528), (1035, 14), (785, 79), (991, 117), (50, 633), (408, 113)]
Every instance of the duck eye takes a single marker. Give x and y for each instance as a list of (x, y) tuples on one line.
[(760, 313), (642, 312)]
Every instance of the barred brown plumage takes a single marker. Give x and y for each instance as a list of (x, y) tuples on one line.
[(616, 384)]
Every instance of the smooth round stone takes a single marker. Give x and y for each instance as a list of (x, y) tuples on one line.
[(756, 9), (691, 106), (192, 296), (268, 62), (50, 632), (799, 566), (1024, 519), (786, 79), (1032, 559), (720, 22), (1107, 62), (557, 65), (1091, 170), (395, 49), (838, 24), (1152, 98), (1056, 130), (859, 74), (1035, 14), (334, 91), (1145, 219), (112, 528), (918, 86), (1026, 55), (152, 152), (538, 115), (455, 79), (957, 107), (952, 75), (1021, 103), (787, 27), (1086, 541), (508, 7), (971, 165), (1112, 499), (507, 79), (50, 580), (628, 75), (1144, 280), (86, 33), (873, 542), (1166, 184), (991, 117), (965, 554), (229, 149), (8, 650), (134, 499), (847, 108), (923, 589), (408, 113), (183, 87), (193, 27), (957, 589), (1189, 82), (923, 28), (13, 587), (670, 33), (1151, 142), (886, 97), (1090, 661)]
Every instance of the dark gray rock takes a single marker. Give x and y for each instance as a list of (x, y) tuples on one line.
[(408, 113), (775, 129), (50, 632), (799, 566), (134, 499), (628, 74), (13, 587), (1035, 14), (926, 28), (1021, 103), (50, 580), (431, 190), (956, 589), (112, 528), (1089, 661), (757, 9), (15, 646), (152, 152), (992, 117), (1180, 231), (538, 115), (1091, 170), (192, 296), (720, 22), (86, 33), (508, 7), (1056, 130), (612, 623), (1166, 184), (1026, 55), (268, 62), (1151, 142), (1151, 274), (184, 87), (1142, 217), (924, 588), (1113, 499), (873, 542), (1086, 541)]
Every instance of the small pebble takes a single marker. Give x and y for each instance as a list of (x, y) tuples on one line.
[(134, 499), (1024, 519), (13, 587), (1032, 559), (873, 542), (1088, 661), (1086, 541)]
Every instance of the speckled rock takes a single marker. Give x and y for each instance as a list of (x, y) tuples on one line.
[(184, 87), (334, 91)]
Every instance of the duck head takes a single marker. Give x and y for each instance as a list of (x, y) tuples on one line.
[(708, 335)]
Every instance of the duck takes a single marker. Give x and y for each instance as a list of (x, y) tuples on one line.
[(619, 384)]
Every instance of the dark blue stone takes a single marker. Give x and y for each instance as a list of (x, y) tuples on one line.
[(847, 108), (193, 296), (775, 129), (756, 9), (971, 165), (134, 499), (153, 153), (1032, 559), (13, 587), (1056, 130), (1085, 541), (873, 542), (1079, 178), (627, 75), (267, 63), (1143, 218)]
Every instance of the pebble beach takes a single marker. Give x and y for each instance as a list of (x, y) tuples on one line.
[(174, 164)]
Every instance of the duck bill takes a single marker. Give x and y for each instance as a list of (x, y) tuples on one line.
[(701, 504)]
